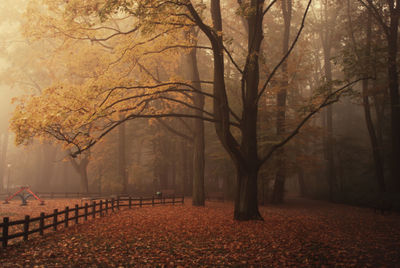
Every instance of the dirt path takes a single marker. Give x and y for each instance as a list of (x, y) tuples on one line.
[(301, 233)]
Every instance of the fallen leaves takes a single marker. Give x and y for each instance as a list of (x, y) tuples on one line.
[(302, 234)]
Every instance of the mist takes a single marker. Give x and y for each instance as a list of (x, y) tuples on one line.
[(71, 119)]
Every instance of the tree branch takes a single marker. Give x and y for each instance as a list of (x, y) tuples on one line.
[(326, 102), (287, 53)]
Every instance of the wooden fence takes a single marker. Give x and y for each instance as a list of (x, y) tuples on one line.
[(30, 225)]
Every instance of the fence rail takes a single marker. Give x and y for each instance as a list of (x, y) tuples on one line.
[(101, 208)]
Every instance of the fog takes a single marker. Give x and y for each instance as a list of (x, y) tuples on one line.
[(91, 105)]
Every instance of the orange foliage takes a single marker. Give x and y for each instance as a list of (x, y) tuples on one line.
[(301, 234)]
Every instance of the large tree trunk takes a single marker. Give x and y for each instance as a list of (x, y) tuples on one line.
[(379, 173), (244, 155), (246, 206), (81, 168), (279, 186), (198, 198)]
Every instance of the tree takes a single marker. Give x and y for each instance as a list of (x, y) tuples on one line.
[(279, 186), (387, 14), (81, 114), (363, 57)]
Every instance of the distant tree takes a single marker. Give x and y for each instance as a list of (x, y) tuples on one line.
[(387, 14)]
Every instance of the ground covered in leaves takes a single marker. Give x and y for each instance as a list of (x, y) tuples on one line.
[(301, 233)]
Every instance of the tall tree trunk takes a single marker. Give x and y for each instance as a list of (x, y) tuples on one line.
[(279, 186), (198, 198), (379, 173), (328, 142), (392, 36), (244, 156)]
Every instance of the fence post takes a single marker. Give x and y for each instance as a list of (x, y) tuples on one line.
[(101, 208), (76, 214), (66, 216), (140, 202), (6, 221), (112, 204), (41, 223), (107, 201), (26, 227), (130, 202), (55, 219), (118, 202), (94, 210), (173, 199), (86, 211), (152, 200)]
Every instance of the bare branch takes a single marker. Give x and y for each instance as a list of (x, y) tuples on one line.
[(328, 100), (269, 7), (287, 53)]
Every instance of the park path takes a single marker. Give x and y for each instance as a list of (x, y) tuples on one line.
[(301, 233)]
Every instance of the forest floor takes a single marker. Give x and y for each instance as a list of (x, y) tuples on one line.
[(300, 233)]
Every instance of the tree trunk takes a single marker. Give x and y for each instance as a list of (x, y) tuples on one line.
[(122, 168), (392, 37), (3, 157), (379, 173), (302, 185), (246, 206), (279, 186), (244, 155), (331, 172), (84, 182), (81, 168), (198, 198)]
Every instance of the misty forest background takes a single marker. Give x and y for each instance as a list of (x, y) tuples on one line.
[(75, 70)]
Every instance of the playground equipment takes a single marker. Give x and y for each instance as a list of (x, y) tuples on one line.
[(24, 196)]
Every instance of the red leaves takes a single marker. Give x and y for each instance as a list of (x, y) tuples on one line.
[(307, 234)]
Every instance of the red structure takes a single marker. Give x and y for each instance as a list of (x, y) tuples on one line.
[(24, 197)]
